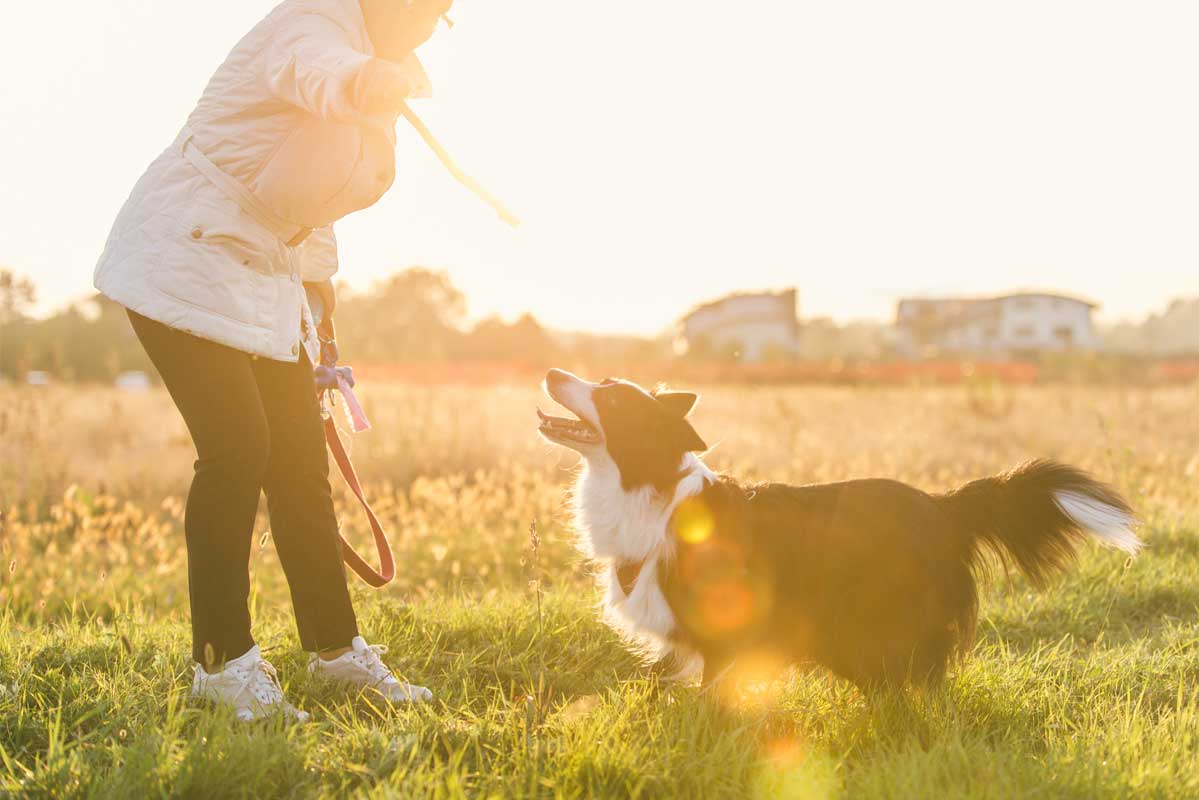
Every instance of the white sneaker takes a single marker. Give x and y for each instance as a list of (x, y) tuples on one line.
[(362, 667), (249, 686)]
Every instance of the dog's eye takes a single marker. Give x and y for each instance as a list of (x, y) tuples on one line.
[(608, 382)]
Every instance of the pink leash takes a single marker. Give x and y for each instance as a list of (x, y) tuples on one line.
[(387, 570)]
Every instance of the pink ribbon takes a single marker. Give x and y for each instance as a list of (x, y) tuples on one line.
[(353, 408)]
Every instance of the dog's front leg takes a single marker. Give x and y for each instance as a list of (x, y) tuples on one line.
[(679, 664), (716, 668)]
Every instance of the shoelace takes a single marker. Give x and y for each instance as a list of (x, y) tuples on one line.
[(263, 683), (369, 659)]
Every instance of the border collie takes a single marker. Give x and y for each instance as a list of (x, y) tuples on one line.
[(874, 579)]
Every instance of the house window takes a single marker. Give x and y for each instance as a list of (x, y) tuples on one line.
[(1064, 335), (1025, 332)]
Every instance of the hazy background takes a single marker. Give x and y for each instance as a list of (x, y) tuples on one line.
[(664, 153)]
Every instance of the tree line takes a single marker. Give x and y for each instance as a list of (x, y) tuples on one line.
[(419, 316), (416, 315)]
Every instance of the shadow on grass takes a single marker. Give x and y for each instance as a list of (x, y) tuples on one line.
[(1120, 617), (953, 741)]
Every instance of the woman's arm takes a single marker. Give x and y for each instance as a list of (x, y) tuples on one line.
[(327, 294), (311, 64), (318, 264)]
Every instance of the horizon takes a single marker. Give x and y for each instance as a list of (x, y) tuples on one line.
[(859, 155), (669, 329)]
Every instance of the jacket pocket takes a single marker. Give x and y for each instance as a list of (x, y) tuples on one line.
[(224, 264), (233, 232)]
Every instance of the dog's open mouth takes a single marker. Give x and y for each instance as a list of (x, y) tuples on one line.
[(560, 429)]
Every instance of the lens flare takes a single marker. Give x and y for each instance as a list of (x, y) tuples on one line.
[(784, 752), (727, 606), (754, 683), (693, 521), (760, 666), (789, 768)]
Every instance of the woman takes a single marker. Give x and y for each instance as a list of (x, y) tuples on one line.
[(210, 256)]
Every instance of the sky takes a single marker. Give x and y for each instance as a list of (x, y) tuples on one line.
[(665, 153)]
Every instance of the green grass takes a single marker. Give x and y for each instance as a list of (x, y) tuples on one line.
[(1086, 691), (1090, 689)]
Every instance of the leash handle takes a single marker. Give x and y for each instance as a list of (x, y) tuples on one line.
[(387, 568)]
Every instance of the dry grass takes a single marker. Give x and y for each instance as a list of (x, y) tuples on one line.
[(136, 446)]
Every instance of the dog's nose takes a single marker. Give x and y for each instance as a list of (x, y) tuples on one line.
[(556, 377)]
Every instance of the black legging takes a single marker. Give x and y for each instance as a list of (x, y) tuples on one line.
[(256, 426)]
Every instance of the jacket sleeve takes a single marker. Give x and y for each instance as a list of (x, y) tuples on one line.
[(311, 63), (318, 256)]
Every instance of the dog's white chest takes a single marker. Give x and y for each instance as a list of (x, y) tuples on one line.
[(644, 611), (625, 527)]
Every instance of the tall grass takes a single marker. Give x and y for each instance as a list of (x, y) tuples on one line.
[(1086, 690)]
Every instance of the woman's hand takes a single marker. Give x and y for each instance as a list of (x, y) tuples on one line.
[(382, 86), (326, 295), (326, 373)]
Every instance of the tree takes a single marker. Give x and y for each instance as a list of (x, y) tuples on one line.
[(524, 340), (823, 339), (1175, 332), (89, 341), (17, 296), (415, 315)]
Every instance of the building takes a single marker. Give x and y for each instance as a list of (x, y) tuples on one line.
[(1012, 325), (743, 327)]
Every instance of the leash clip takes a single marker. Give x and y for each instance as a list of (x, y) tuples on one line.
[(332, 380), (326, 399)]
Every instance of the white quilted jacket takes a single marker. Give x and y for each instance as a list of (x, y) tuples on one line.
[(223, 228)]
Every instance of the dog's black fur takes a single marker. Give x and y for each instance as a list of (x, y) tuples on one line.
[(874, 579)]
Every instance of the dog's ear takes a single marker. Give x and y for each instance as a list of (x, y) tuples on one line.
[(691, 440), (678, 403)]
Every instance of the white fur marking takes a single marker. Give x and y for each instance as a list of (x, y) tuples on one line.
[(576, 396), (1111, 526), (622, 527), (645, 610)]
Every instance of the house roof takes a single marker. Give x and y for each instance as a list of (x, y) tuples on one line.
[(998, 298), (785, 294), (946, 314)]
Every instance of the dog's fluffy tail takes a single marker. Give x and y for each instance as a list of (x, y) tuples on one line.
[(1036, 514)]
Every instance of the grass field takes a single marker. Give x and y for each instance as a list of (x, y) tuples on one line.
[(1087, 690)]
